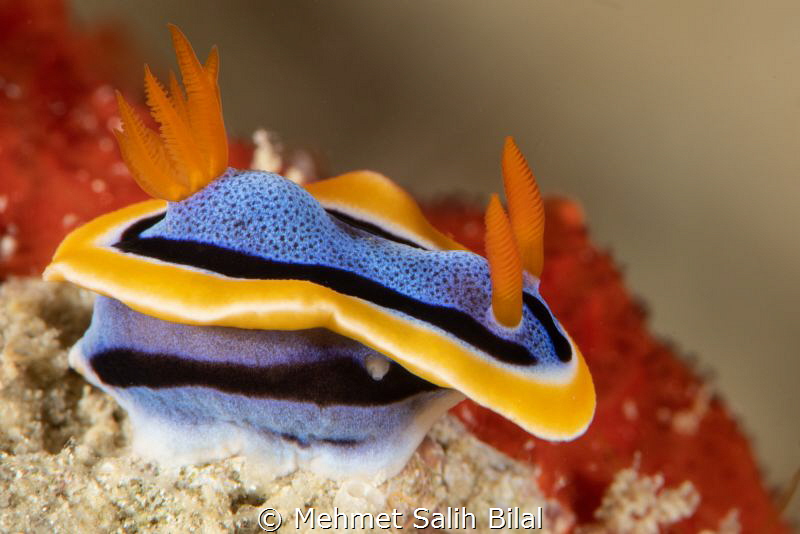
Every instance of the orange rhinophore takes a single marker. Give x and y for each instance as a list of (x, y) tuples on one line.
[(504, 264), (525, 207), (192, 148)]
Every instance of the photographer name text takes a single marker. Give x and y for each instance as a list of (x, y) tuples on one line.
[(450, 518)]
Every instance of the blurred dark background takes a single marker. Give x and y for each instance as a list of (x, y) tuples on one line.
[(676, 123)]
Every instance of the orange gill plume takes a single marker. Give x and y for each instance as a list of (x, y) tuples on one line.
[(525, 207), (192, 149), (505, 265)]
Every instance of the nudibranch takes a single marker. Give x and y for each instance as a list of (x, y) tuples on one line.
[(324, 326)]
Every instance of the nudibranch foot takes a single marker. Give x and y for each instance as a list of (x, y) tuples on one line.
[(308, 398)]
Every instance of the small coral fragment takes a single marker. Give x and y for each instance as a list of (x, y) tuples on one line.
[(636, 503)]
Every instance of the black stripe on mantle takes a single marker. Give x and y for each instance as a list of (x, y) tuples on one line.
[(236, 264), (371, 228), (337, 381)]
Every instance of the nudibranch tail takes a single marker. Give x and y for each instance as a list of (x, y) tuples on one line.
[(192, 149), (504, 265), (524, 206)]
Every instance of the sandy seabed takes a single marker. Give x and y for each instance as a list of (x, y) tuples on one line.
[(65, 464)]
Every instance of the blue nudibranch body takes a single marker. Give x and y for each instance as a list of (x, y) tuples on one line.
[(326, 326)]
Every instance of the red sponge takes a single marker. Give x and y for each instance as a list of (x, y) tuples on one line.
[(651, 404)]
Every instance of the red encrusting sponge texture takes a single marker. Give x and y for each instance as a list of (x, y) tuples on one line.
[(59, 162), (59, 167), (651, 403)]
